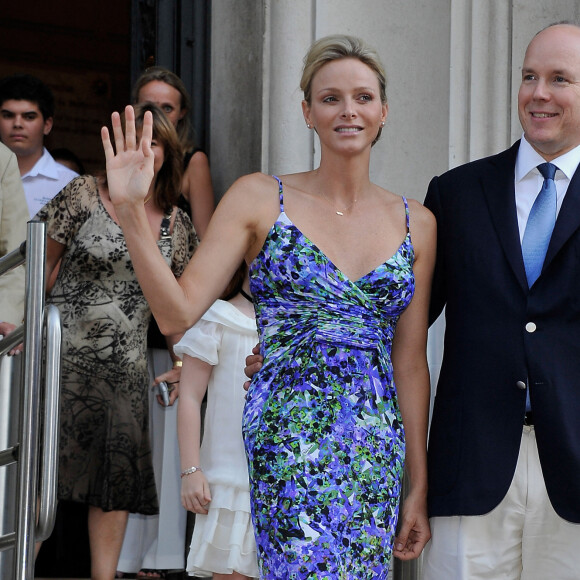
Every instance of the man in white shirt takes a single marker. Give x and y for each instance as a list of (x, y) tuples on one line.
[(26, 117)]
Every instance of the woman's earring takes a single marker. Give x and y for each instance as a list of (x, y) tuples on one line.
[(382, 123), (309, 125)]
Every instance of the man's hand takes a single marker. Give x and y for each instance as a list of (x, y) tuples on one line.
[(253, 364)]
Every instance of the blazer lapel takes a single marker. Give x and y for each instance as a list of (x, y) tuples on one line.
[(568, 219), (498, 188)]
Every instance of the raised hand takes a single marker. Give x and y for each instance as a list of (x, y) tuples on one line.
[(129, 164)]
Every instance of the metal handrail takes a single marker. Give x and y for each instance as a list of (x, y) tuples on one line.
[(13, 259), (14, 338), (49, 471), (26, 452), (30, 404), (7, 541)]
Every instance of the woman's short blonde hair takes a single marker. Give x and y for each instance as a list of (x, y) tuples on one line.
[(336, 47)]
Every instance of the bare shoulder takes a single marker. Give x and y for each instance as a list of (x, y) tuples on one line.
[(254, 187), (420, 216), (198, 160), (423, 229), (254, 198), (253, 202)]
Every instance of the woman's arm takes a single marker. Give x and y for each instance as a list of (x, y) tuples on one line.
[(54, 252), (236, 232), (195, 374), (198, 190), (411, 374)]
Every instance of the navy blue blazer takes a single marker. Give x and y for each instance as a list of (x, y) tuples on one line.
[(490, 349)]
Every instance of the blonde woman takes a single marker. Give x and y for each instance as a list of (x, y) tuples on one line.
[(340, 272)]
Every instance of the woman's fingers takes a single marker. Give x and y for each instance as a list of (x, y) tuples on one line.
[(130, 133), (107, 145), (127, 140), (118, 132), (147, 134)]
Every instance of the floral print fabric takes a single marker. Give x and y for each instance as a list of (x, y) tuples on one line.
[(105, 454), (322, 427)]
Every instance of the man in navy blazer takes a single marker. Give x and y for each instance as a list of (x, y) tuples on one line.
[(504, 447)]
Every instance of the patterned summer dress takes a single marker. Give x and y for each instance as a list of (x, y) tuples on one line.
[(105, 452), (322, 427)]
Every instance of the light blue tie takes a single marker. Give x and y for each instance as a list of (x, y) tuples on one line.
[(540, 224)]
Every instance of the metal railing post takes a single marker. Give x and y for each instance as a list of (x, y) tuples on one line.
[(50, 418), (10, 389), (31, 394)]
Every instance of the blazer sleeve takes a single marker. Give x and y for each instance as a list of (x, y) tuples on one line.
[(438, 290), (13, 219)]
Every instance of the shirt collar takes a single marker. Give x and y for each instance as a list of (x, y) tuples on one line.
[(46, 166), (528, 159)]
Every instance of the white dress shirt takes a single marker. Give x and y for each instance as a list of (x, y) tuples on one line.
[(44, 181), (528, 180)]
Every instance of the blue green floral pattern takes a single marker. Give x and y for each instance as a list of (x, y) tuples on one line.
[(322, 427)]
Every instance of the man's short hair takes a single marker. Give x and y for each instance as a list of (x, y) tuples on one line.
[(25, 87)]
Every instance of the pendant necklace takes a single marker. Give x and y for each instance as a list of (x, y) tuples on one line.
[(342, 211)]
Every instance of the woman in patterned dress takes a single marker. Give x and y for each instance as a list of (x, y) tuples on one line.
[(337, 263), (105, 455)]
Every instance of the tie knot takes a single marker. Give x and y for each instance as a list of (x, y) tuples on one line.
[(548, 170)]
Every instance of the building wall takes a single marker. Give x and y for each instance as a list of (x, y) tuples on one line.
[(453, 69), (237, 76)]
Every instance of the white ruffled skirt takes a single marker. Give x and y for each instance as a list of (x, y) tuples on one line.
[(223, 540)]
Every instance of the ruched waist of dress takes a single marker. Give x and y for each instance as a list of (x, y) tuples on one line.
[(341, 328)]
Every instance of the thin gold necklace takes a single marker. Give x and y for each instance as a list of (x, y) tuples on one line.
[(342, 211), (147, 199)]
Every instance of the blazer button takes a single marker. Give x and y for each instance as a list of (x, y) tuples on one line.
[(531, 327), (521, 385)]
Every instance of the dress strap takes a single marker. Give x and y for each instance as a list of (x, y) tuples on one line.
[(406, 213), (280, 191), (165, 231)]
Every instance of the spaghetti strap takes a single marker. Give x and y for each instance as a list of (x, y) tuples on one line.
[(406, 212), (281, 192)]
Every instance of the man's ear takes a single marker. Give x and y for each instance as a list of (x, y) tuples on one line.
[(48, 125)]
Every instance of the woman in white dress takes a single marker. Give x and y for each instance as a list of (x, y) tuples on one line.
[(216, 475)]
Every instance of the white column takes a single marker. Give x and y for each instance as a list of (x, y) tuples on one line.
[(287, 145), (480, 80)]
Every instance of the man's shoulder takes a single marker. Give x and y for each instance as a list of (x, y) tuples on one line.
[(46, 167), (503, 161), (6, 155), (65, 174)]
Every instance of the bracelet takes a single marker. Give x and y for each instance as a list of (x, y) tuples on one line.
[(177, 364), (190, 470)]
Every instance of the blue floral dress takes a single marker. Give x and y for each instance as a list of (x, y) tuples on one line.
[(322, 427)]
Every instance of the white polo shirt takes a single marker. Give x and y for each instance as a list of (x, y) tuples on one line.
[(44, 181)]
